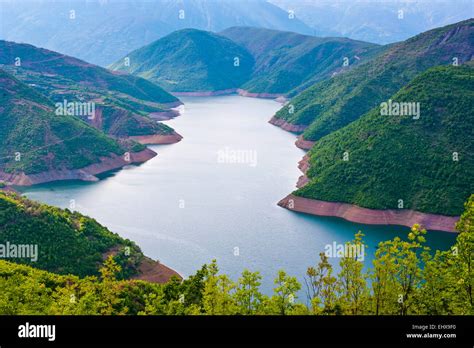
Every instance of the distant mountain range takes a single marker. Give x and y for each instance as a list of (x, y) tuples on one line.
[(260, 61), (101, 32), (378, 21)]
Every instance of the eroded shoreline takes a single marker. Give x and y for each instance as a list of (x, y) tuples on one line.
[(357, 214)]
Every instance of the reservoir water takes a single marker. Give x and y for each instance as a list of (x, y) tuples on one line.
[(214, 195)]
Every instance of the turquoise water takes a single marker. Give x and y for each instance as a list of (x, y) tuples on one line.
[(191, 204)]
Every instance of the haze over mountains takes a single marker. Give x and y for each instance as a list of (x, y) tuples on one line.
[(102, 31), (378, 21)]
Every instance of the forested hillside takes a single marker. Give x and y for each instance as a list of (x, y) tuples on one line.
[(190, 60), (424, 159), (333, 103), (67, 242), (34, 139), (287, 63), (122, 102)]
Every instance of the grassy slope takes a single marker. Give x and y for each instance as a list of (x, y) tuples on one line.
[(285, 61), (190, 60), (28, 125), (68, 242), (334, 103), (61, 77), (395, 157)]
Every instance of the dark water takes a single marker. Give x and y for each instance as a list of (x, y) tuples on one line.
[(189, 204)]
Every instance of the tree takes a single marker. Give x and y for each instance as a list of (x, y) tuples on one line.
[(352, 281), (284, 297), (218, 298), (247, 296), (397, 273), (321, 287)]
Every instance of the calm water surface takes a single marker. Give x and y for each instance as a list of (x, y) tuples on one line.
[(189, 205)]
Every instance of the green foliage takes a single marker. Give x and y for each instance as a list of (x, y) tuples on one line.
[(290, 62), (399, 157), (334, 103), (67, 242), (407, 279), (190, 60), (122, 101), (44, 141)]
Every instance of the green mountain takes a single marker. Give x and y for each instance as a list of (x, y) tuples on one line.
[(122, 101), (30, 127), (34, 140), (66, 242), (336, 102), (428, 162), (190, 60), (285, 61)]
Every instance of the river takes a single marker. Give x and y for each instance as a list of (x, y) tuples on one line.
[(214, 195)]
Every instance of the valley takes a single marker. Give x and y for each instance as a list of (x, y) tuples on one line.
[(146, 152), (230, 203)]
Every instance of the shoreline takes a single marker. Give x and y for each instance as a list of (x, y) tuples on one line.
[(155, 272), (87, 173), (354, 213), (287, 126), (148, 270), (304, 144), (281, 98), (357, 214), (157, 139), (205, 93)]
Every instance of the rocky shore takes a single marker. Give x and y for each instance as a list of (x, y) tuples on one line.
[(287, 126), (156, 139), (350, 212), (85, 174), (278, 97), (361, 215), (155, 272), (304, 144)]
